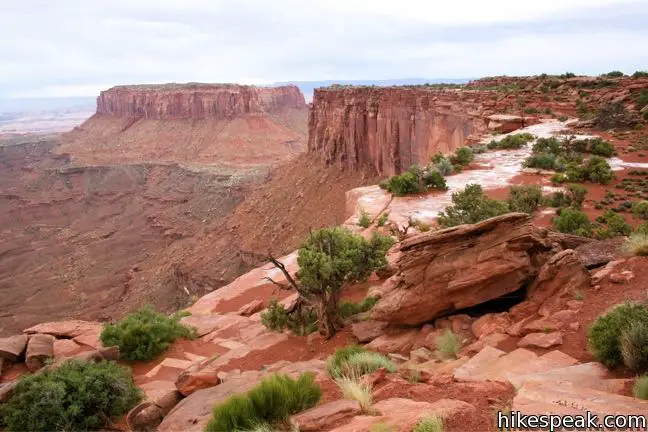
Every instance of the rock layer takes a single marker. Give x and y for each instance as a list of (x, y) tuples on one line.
[(388, 129), (196, 101), (455, 268)]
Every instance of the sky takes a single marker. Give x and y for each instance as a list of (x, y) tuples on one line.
[(79, 47)]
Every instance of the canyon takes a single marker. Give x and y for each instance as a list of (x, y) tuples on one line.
[(175, 195)]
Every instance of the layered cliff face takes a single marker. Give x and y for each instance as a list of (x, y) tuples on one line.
[(225, 124), (197, 101), (389, 129)]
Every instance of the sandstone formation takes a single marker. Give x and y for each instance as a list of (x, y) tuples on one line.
[(196, 101), (193, 123), (39, 348), (13, 347), (448, 270), (388, 129)]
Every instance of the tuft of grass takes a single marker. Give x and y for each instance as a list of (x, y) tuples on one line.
[(382, 219), (579, 295), (637, 244), (353, 389), (273, 400), (430, 424), (366, 362), (448, 344), (640, 389), (341, 355), (348, 309)]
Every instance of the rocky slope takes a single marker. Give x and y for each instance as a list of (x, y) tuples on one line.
[(192, 123)]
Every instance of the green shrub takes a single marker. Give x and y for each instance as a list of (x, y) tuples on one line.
[(382, 219), (511, 141), (545, 161), (273, 400), (430, 424), (348, 309), (640, 74), (596, 170), (640, 209), (74, 396), (470, 206), (634, 346), (463, 156), (604, 336), (614, 115), (616, 226), (642, 229), (640, 388), (638, 244), (275, 317), (364, 221), (531, 110), (443, 166), (448, 344), (547, 145), (567, 75), (557, 199), (434, 180), (558, 178), (301, 321), (403, 184), (614, 74), (572, 221), (145, 334), (576, 195), (642, 100), (563, 118), (336, 360), (525, 199)]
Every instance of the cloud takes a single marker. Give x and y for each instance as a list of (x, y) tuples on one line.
[(78, 47)]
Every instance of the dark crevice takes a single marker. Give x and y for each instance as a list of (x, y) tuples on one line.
[(497, 305)]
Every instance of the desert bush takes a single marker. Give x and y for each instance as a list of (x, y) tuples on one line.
[(640, 388), (443, 166), (470, 206), (642, 100), (403, 184), (642, 229), (596, 170), (75, 396), (567, 75), (511, 141), (273, 400), (576, 195), (596, 146), (563, 118), (545, 161), (434, 180), (547, 145), (640, 209), (614, 74), (604, 336), (572, 221), (364, 221), (614, 115), (637, 244), (558, 178), (634, 346), (430, 424), (616, 226), (145, 334), (382, 219), (348, 309), (640, 74), (463, 156), (525, 199), (275, 317), (448, 344), (557, 199), (354, 389)]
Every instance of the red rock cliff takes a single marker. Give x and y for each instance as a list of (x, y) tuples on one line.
[(389, 128), (196, 101)]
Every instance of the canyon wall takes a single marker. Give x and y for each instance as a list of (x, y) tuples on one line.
[(197, 101), (390, 128)]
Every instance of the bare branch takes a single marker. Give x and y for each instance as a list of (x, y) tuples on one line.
[(285, 272), (280, 285)]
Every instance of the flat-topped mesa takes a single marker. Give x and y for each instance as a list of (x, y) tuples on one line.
[(197, 101), (388, 129)]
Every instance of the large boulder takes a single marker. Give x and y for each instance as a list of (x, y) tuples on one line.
[(66, 329), (455, 268), (39, 348), (13, 347)]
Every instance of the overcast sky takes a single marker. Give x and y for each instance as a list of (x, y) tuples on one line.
[(78, 47)]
